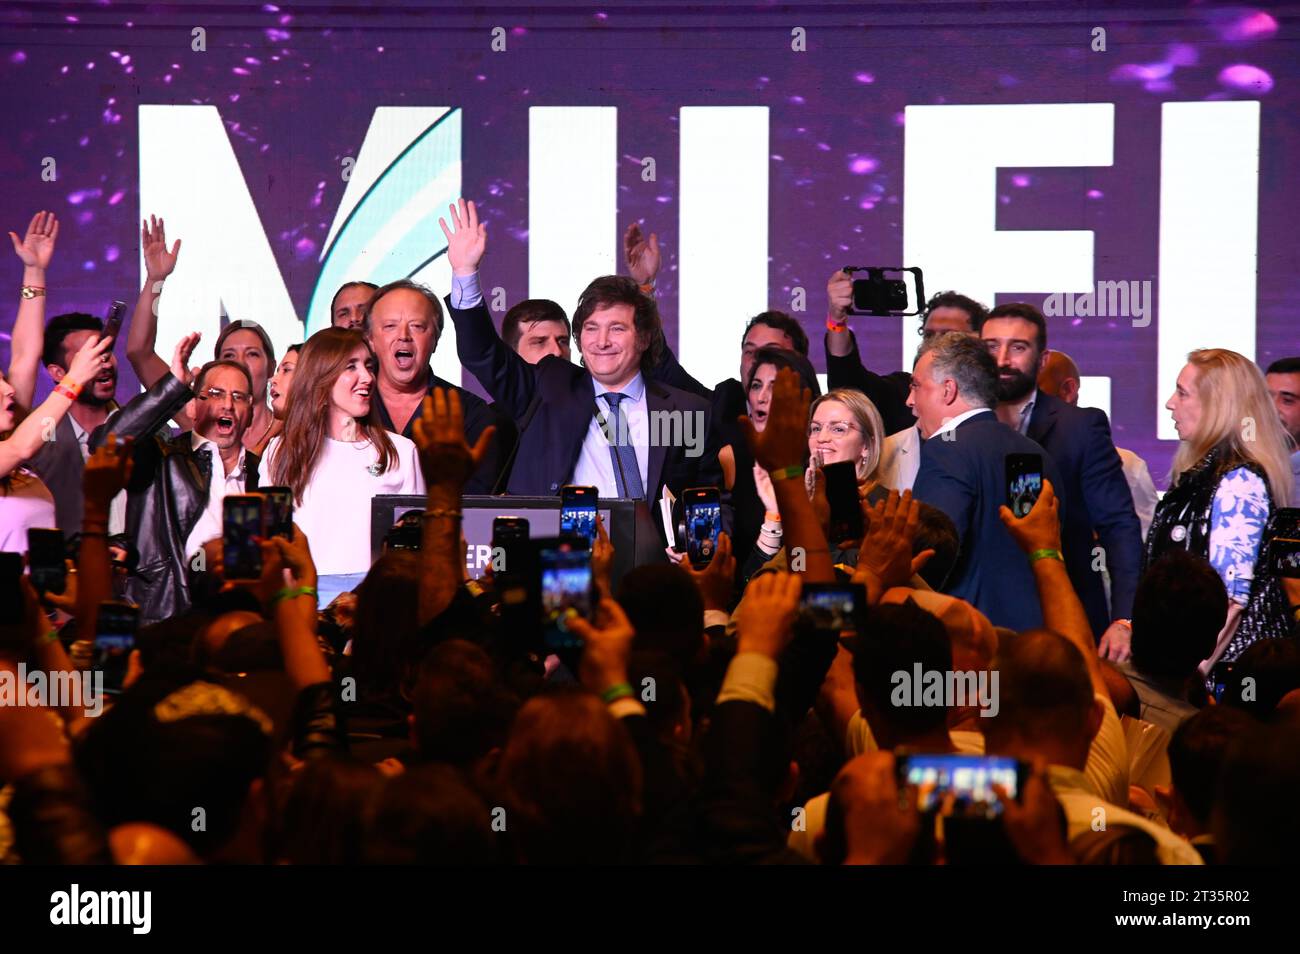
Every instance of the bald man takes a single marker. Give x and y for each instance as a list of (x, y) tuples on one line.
[(1060, 376)]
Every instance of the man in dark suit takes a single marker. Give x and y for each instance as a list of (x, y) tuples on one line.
[(605, 424), (1098, 505), (403, 322), (174, 498), (963, 473)]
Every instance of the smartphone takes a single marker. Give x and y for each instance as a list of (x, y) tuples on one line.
[(1024, 482), (407, 533), (244, 520), (1222, 676), (566, 591), (829, 607), (12, 604), (113, 321), (511, 535), (703, 509), (886, 292), (115, 628), (47, 560), (279, 511), (846, 507), (578, 511), (968, 779)]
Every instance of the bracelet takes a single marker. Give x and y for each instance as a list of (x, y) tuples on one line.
[(289, 593), (787, 473), (614, 693), (32, 291), (1046, 554), (50, 637), (647, 289), (71, 392), (440, 512), (833, 325)]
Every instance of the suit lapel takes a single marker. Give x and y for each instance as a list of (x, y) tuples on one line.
[(1043, 419), (656, 399)]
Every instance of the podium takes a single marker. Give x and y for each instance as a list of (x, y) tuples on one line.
[(632, 531)]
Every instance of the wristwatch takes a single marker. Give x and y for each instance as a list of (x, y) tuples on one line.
[(31, 291)]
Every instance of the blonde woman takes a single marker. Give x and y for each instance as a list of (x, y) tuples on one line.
[(844, 425), (1231, 470)]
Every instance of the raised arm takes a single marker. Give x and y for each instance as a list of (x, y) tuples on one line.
[(34, 251), (27, 438), (107, 472), (642, 258), (1038, 534), (508, 378), (142, 334), (780, 448), (148, 411), (448, 462)]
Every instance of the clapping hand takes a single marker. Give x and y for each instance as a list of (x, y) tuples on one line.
[(642, 255)]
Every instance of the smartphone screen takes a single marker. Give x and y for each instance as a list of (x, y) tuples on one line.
[(242, 525), (829, 607), (114, 639), (968, 779), (511, 536), (279, 516), (113, 321), (1222, 676), (578, 511), (46, 559), (1024, 482), (846, 507), (565, 590), (12, 604), (703, 523)]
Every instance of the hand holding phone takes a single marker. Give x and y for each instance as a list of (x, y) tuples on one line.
[(1024, 473), (961, 785), (243, 525), (115, 629), (578, 511), (566, 591), (703, 509), (846, 506)]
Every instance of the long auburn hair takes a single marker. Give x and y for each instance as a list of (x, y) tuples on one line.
[(1233, 391), (320, 362)]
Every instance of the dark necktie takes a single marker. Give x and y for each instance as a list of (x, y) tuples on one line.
[(627, 470)]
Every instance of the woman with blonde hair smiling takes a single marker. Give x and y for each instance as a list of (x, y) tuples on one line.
[(844, 425), (1231, 471)]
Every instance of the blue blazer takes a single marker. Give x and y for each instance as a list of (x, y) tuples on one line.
[(1098, 506), (554, 401), (965, 477)]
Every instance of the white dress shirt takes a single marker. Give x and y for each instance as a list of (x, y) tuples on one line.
[(595, 466), (952, 422), (117, 509), (1140, 486), (208, 526), (900, 459)]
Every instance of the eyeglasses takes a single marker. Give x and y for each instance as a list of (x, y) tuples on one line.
[(836, 429), (219, 394)]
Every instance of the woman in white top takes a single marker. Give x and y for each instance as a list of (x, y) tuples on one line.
[(334, 454), (25, 501)]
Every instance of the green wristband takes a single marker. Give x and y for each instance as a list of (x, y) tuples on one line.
[(290, 593), (621, 691), (1046, 554), (786, 473)]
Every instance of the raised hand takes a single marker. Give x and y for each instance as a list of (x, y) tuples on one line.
[(181, 356), (107, 472), (765, 617), (467, 243), (445, 458), (763, 485), (606, 647), (783, 443), (886, 548), (839, 292), (717, 580), (642, 256), (89, 361), (158, 262), (37, 246), (879, 827), (1040, 529)]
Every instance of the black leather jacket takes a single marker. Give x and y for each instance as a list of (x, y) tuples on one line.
[(166, 495)]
